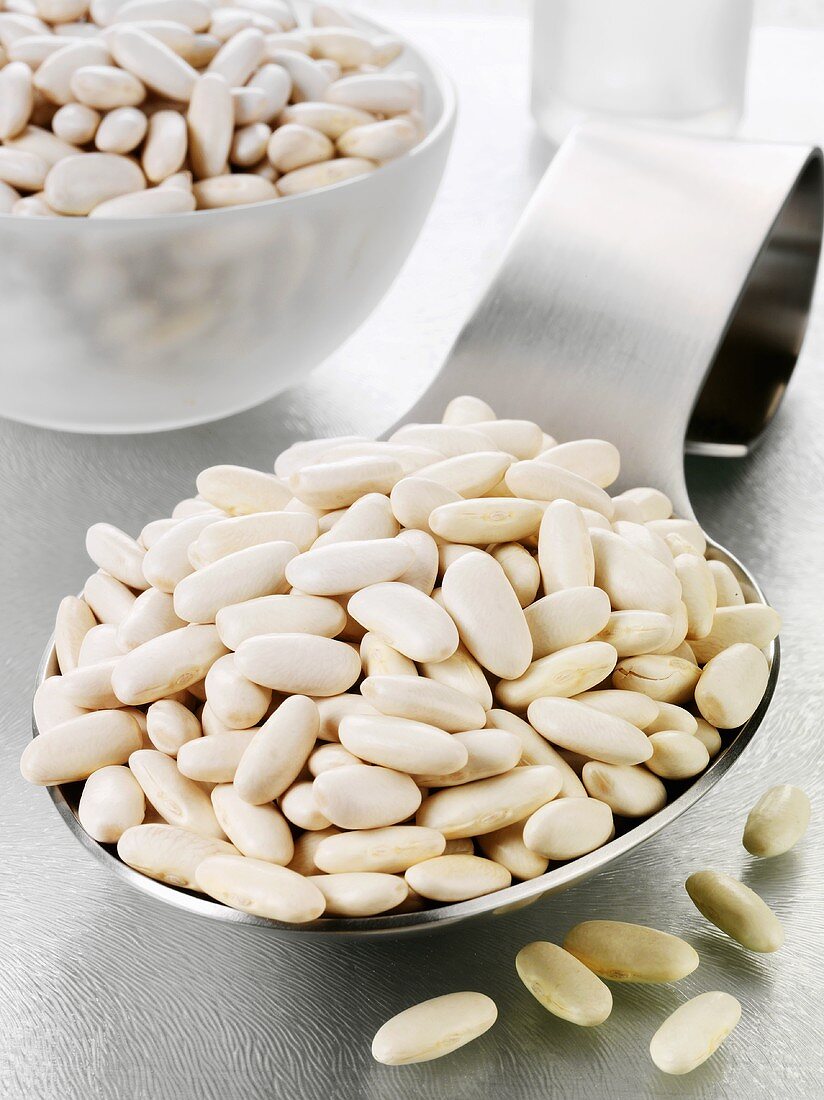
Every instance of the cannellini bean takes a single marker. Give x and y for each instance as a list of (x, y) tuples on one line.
[(405, 746), (99, 644), (170, 725), (709, 737), (583, 729), (506, 847), (90, 686), (195, 14), (74, 621), (380, 659), (564, 673), (636, 632), (467, 409), (677, 755), (54, 77), (624, 952), (152, 61), (249, 145), (233, 190), (331, 119), (325, 174), (777, 821), (687, 529), (520, 569), (666, 679), (235, 700), (536, 750), (732, 685), (375, 92), (568, 617), (110, 600), (309, 79), (414, 499), (735, 909), (368, 518), (298, 805), (278, 751), (651, 504), (299, 663), (164, 151), (112, 802), (565, 553), (462, 672), (568, 828), (332, 710), (694, 1031), (544, 481), (419, 699), (279, 614), (406, 619), (259, 832), (637, 709), (105, 87), (457, 877), (16, 98), (433, 1028), (628, 790), (214, 758), (494, 630), (698, 593), (264, 889), (632, 579), (239, 532), (489, 752), (727, 588), (349, 566), (391, 850), (486, 519), (379, 141), (211, 121), (243, 575), (21, 169), (366, 797), (169, 853), (75, 123), (594, 459), (151, 615), (238, 58), (51, 707), (360, 894), (178, 799), (76, 185), (294, 146), (754, 623), (489, 804), (329, 756), (563, 985), (117, 553), (9, 198), (166, 664), (167, 562), (79, 746)]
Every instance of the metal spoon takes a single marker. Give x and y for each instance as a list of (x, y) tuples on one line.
[(656, 291)]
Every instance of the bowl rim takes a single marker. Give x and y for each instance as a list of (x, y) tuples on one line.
[(441, 127), (512, 897)]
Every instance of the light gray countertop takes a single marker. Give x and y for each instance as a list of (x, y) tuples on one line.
[(106, 993)]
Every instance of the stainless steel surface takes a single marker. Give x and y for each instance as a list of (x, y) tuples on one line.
[(107, 994), (599, 341)]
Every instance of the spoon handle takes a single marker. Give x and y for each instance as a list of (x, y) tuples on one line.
[(655, 291)]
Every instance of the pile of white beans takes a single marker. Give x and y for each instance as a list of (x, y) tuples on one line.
[(129, 108), (570, 980), (394, 674)]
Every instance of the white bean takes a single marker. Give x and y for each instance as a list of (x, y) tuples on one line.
[(433, 1028)]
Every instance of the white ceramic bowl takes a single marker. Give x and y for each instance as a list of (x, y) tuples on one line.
[(134, 325)]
